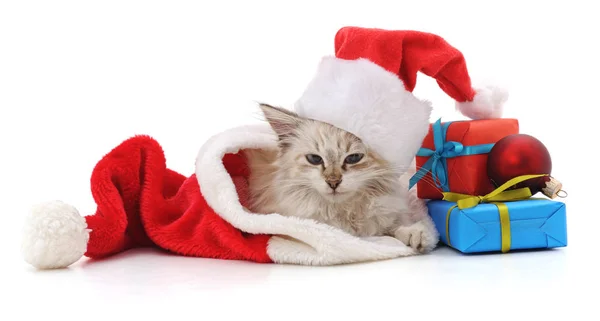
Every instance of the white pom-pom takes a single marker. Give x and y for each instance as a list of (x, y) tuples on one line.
[(487, 103), (55, 236)]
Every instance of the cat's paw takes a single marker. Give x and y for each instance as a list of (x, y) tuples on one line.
[(421, 236)]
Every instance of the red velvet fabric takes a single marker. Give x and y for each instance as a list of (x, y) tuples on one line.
[(406, 52), (142, 203)]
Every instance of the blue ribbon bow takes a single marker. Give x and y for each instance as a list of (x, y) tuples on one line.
[(436, 164)]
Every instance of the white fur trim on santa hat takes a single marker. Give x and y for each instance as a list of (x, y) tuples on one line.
[(487, 103), (370, 102), (54, 236)]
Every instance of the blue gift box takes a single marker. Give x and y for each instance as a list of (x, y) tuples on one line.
[(533, 224)]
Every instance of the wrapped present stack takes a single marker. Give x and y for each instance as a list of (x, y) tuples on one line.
[(480, 179)]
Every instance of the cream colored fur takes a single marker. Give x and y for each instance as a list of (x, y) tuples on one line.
[(371, 200)]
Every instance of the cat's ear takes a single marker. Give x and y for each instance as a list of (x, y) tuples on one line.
[(283, 122)]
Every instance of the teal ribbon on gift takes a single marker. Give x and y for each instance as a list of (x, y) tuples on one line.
[(436, 164)]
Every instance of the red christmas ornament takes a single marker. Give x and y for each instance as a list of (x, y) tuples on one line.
[(522, 154)]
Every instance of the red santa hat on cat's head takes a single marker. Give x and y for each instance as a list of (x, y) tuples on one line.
[(366, 89)]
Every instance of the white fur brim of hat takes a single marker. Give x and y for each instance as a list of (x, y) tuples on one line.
[(370, 102)]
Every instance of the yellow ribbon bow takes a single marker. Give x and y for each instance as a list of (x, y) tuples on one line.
[(497, 196)]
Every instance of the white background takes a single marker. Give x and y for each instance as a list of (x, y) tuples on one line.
[(78, 77)]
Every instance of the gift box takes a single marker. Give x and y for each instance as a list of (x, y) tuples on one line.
[(527, 224), (453, 157)]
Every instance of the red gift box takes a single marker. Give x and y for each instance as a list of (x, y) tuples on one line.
[(453, 157)]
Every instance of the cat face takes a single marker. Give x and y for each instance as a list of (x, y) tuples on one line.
[(321, 159)]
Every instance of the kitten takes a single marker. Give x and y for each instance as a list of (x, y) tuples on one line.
[(329, 175)]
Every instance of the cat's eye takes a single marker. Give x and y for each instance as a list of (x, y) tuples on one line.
[(353, 159), (314, 159)]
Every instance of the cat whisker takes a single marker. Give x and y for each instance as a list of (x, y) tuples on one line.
[(429, 181)]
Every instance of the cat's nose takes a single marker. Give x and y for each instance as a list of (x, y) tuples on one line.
[(334, 182)]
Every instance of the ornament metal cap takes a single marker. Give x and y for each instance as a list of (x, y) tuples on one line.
[(553, 188)]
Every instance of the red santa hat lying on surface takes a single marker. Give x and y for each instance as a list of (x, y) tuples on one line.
[(365, 89)]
